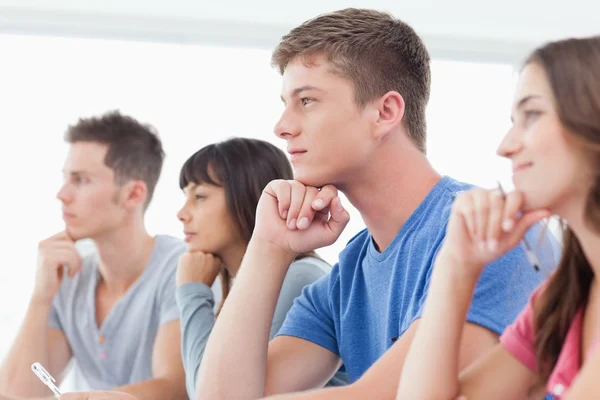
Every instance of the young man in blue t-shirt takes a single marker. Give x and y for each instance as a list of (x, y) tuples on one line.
[(355, 88)]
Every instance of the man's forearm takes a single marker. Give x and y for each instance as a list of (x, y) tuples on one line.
[(5, 397), (331, 393), (234, 364), (156, 389), (31, 345)]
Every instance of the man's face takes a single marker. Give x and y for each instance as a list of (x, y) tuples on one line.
[(327, 134), (90, 197)]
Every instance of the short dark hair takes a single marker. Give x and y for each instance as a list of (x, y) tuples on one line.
[(134, 149), (243, 167), (375, 51)]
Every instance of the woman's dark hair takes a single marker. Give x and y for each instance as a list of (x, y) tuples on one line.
[(243, 168), (572, 68)]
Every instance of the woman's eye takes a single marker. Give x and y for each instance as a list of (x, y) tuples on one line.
[(530, 116)]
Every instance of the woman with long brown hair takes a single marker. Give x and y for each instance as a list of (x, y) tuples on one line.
[(554, 146), (222, 183)]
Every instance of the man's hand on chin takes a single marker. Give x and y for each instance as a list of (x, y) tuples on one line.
[(97, 396)]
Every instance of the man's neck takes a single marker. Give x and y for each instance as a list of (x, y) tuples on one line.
[(123, 256), (389, 190)]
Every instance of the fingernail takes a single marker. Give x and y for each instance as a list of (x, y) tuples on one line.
[(284, 214), (318, 203), (507, 225), (303, 223), (492, 245), (481, 245), (292, 224), (340, 206)]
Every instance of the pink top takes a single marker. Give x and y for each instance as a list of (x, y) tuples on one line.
[(518, 339)]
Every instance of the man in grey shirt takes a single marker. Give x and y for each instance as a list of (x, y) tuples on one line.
[(114, 311)]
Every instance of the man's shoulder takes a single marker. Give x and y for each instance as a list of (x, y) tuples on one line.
[(168, 243), (453, 187), (432, 215), (358, 240), (354, 247), (167, 248), (162, 266)]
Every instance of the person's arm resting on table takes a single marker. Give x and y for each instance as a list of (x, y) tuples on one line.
[(16, 376), (381, 380)]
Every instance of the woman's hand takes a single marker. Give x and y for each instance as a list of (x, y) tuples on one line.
[(196, 266), (483, 225)]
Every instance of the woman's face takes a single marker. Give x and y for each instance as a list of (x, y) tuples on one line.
[(207, 223), (548, 166)]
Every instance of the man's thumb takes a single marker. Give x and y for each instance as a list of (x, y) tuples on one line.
[(339, 216)]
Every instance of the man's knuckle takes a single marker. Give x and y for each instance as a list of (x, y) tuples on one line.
[(312, 190)]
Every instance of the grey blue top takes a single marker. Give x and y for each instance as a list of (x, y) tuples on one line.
[(120, 351), (196, 304)]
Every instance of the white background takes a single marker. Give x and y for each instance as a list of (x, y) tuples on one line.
[(194, 96), (462, 29)]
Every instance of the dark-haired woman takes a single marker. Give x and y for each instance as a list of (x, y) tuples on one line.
[(554, 147), (222, 184)]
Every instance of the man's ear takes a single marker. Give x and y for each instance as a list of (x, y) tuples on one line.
[(390, 113), (135, 194)]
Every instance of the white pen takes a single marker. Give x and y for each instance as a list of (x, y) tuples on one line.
[(531, 255), (46, 378)]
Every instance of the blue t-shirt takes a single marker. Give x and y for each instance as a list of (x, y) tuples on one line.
[(370, 298)]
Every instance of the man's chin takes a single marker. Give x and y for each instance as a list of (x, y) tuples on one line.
[(314, 180), (76, 234)]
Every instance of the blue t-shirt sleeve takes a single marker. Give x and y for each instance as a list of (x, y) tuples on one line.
[(505, 285), (503, 290), (310, 317)]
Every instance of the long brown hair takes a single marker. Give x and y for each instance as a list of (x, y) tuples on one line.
[(243, 168), (572, 68)]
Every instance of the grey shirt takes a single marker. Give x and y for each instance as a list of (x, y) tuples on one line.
[(196, 305), (120, 351)]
